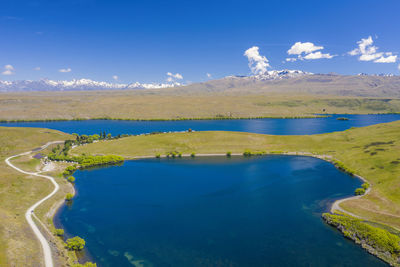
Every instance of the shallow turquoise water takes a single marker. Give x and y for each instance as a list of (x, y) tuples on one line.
[(259, 211)]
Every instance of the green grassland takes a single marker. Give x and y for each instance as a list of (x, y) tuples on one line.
[(18, 245), (174, 104), (372, 152)]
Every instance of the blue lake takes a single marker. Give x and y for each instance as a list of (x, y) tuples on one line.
[(215, 211), (264, 126)]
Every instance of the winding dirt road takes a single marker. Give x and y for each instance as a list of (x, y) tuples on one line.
[(48, 260)]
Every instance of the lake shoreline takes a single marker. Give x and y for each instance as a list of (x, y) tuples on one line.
[(313, 116), (334, 206)]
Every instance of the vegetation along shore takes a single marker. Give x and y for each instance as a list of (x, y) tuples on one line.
[(371, 152)]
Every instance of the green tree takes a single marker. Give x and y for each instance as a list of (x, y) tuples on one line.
[(228, 154), (75, 243), (71, 179), (59, 232), (68, 197), (359, 191)]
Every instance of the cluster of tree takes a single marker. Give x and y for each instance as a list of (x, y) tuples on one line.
[(76, 243)]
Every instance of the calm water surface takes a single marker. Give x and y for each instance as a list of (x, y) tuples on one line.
[(259, 211), (264, 126)]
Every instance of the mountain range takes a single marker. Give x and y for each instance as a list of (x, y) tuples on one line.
[(283, 81)]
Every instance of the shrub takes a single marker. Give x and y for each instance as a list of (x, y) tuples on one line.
[(59, 232), (359, 191), (180, 154), (69, 197), (380, 239), (193, 155), (247, 153), (86, 264), (158, 156), (228, 154), (365, 186), (71, 179), (75, 243)]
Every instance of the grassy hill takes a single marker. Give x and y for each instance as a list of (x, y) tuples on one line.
[(18, 245)]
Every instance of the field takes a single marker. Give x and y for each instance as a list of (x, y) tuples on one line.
[(174, 104), (18, 245), (372, 152)]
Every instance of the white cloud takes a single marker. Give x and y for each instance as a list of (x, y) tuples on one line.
[(36, 68), (368, 52), (208, 75), (298, 48), (398, 67), (65, 70), (389, 59), (257, 63), (291, 59), (317, 55), (115, 77), (8, 70), (175, 76), (307, 51)]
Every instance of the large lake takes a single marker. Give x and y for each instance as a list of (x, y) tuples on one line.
[(217, 211), (264, 126)]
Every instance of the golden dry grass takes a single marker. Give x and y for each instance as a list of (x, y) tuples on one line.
[(169, 104), (18, 245)]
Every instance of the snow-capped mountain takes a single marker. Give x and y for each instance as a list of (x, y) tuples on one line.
[(273, 75), (80, 84)]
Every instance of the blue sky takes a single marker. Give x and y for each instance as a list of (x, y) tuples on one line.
[(143, 40)]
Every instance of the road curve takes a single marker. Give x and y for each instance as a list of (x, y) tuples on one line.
[(48, 260)]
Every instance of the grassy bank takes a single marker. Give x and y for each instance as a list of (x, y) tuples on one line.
[(18, 245), (175, 105)]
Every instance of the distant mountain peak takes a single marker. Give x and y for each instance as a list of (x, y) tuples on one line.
[(273, 75), (76, 84)]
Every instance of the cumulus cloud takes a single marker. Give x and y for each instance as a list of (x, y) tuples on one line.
[(115, 77), (317, 55), (8, 70), (257, 63), (173, 77), (307, 51), (299, 48), (36, 68), (208, 75), (65, 70), (368, 52)]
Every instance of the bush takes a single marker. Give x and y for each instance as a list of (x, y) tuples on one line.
[(247, 153), (355, 229), (228, 154), (75, 243), (59, 232), (365, 186), (71, 179), (193, 155), (180, 154), (86, 264), (69, 197), (359, 191), (158, 156)]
